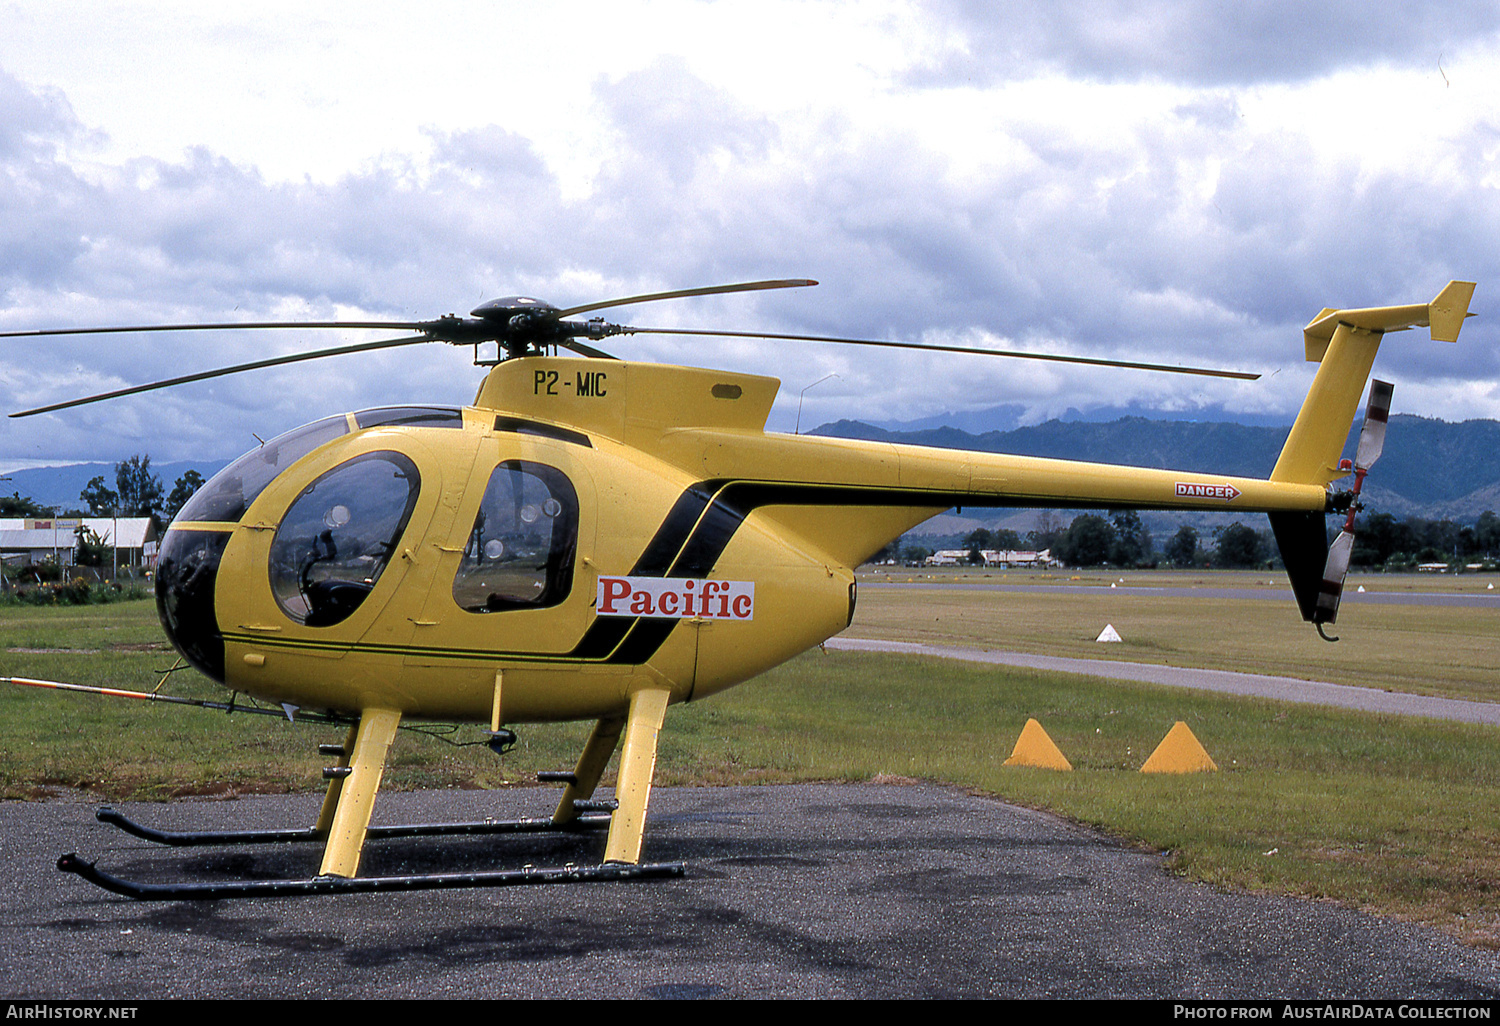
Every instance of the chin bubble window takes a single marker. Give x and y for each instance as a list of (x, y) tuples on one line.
[(520, 553), (338, 537)]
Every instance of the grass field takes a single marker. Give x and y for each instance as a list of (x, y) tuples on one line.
[(1392, 814), (1447, 651)]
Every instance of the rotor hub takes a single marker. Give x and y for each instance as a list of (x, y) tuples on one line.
[(508, 308)]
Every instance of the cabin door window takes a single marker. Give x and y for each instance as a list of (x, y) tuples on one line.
[(519, 554), (339, 536)]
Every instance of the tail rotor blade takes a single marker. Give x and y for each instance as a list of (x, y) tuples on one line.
[(1334, 572), (1372, 435), (1371, 441)]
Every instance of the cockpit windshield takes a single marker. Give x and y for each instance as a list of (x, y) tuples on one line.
[(231, 491)]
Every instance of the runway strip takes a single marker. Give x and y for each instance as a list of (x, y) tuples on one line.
[(1284, 689), (1477, 600)]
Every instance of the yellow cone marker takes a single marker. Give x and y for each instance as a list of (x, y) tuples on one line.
[(1179, 752), (1035, 748)]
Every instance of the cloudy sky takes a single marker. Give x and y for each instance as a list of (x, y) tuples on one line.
[(1177, 182)]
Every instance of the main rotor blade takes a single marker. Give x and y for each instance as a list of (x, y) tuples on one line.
[(585, 350), (1053, 358), (274, 361), (711, 290), (392, 325)]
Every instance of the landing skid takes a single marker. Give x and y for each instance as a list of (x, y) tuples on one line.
[(71, 863), (607, 872), (343, 825)]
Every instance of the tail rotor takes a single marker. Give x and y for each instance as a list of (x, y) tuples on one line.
[(1371, 442)]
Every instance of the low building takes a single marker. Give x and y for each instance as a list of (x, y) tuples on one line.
[(992, 557), (1018, 558), (55, 539)]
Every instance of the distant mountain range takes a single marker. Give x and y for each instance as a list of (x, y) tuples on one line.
[(60, 486), (1430, 468), (1008, 417)]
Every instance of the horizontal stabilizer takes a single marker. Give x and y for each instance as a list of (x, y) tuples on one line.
[(1444, 315), (1343, 343)]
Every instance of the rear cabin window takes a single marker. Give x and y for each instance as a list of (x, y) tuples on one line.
[(520, 552)]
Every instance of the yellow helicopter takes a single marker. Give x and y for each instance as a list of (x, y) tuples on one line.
[(599, 539)]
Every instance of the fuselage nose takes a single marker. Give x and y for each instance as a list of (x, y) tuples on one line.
[(187, 571)]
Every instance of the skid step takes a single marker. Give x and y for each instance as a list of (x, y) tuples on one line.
[(595, 805), (607, 872)]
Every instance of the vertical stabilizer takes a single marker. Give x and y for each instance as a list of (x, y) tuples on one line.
[(1448, 310)]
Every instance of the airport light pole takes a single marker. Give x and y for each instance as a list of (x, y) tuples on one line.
[(2, 561)]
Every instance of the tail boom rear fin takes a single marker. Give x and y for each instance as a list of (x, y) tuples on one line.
[(1344, 343), (1447, 312), (1311, 453)]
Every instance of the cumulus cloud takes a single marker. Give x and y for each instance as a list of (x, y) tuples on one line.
[(1116, 196), (1201, 42)]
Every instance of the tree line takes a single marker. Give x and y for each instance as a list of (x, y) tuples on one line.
[(138, 492), (1121, 539), (1380, 540)]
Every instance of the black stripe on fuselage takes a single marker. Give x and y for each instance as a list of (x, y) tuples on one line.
[(703, 521), (662, 551), (606, 636), (706, 516)]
